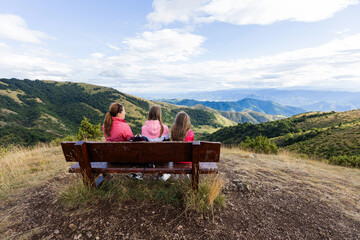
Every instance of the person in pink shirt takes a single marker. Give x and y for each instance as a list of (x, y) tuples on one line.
[(180, 130), (153, 129), (156, 131), (115, 128)]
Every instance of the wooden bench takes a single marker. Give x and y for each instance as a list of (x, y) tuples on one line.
[(95, 158)]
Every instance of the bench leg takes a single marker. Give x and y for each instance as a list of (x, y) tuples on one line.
[(195, 178), (88, 179), (195, 165), (84, 163)]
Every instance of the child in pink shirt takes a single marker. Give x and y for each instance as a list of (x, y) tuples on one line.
[(181, 131), (153, 129), (115, 127)]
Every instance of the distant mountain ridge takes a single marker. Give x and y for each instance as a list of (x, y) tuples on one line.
[(310, 100), (250, 117), (243, 117), (246, 104)]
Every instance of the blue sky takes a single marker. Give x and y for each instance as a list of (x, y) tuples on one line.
[(184, 45)]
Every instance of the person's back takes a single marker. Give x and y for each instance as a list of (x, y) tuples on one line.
[(153, 129), (115, 127), (180, 130)]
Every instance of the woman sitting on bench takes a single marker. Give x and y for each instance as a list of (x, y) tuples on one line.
[(115, 128)]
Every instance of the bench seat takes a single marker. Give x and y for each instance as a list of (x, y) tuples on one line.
[(106, 167)]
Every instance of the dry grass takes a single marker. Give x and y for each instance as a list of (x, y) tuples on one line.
[(22, 167), (216, 184), (210, 192), (337, 186), (118, 189), (12, 94)]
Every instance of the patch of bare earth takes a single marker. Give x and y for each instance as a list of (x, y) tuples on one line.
[(268, 197)]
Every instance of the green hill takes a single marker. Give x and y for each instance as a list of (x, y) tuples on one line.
[(242, 117), (39, 111), (250, 116), (246, 104), (319, 134)]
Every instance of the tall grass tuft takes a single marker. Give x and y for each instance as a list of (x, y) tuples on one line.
[(209, 193)]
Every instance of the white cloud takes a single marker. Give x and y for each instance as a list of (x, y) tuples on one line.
[(113, 47), (33, 64), (245, 12), (335, 64), (14, 27), (97, 55), (342, 31), (164, 45), (3, 45), (175, 10)]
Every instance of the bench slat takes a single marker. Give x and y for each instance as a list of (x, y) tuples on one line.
[(143, 152), (105, 167)]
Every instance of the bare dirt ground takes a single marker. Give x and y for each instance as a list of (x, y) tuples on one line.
[(268, 197)]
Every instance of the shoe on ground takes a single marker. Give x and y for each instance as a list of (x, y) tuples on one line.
[(165, 177), (134, 176)]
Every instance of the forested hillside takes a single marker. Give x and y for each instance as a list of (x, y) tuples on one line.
[(242, 117), (250, 116), (33, 111), (321, 134)]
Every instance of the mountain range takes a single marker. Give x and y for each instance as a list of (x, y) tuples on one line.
[(247, 104), (310, 100)]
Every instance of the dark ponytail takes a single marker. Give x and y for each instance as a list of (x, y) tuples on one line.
[(114, 109)]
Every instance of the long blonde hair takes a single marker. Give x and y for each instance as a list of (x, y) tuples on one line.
[(114, 109), (180, 127), (155, 114)]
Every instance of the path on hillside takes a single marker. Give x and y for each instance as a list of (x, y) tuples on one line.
[(268, 198)]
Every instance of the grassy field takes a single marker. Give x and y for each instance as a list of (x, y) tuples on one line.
[(335, 185)]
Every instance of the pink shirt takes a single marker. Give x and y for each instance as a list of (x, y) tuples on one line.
[(152, 129), (190, 136), (120, 131)]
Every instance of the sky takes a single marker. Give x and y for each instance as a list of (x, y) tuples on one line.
[(169, 46)]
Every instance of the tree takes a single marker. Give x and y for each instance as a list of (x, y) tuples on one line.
[(260, 144), (89, 131)]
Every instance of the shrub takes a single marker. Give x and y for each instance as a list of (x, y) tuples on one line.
[(89, 131), (260, 144), (57, 141), (347, 161)]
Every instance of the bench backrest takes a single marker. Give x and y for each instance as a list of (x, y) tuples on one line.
[(142, 152)]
